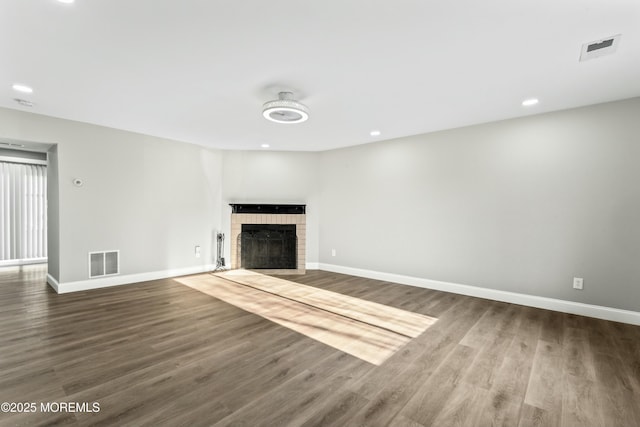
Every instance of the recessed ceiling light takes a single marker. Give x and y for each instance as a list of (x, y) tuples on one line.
[(23, 102), (66, 1), (375, 133), (22, 88), (529, 102), (265, 146)]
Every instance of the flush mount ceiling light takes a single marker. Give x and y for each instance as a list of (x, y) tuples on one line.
[(375, 133), (285, 109), (529, 102)]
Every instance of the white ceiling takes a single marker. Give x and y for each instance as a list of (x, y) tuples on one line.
[(200, 70)]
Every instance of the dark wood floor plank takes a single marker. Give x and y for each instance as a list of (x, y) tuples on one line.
[(464, 408), (486, 365), (531, 416), (499, 319), (545, 384), (581, 404), (617, 396), (335, 410), (552, 329), (433, 396), (332, 373)]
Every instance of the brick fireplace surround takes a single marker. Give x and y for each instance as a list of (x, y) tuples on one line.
[(269, 214)]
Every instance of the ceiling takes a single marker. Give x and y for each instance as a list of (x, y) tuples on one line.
[(199, 70)]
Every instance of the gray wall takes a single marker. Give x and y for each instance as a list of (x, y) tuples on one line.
[(273, 177), (522, 205), (153, 199)]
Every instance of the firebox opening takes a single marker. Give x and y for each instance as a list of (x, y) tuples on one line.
[(268, 246)]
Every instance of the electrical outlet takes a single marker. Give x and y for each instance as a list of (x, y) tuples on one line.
[(578, 282), (197, 251), (333, 252)]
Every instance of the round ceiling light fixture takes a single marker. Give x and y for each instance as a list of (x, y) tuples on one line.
[(285, 109)]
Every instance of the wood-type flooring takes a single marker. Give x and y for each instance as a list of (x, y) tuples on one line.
[(163, 354)]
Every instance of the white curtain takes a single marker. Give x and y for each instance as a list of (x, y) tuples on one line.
[(23, 211)]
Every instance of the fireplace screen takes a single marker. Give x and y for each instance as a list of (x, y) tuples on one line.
[(268, 246)]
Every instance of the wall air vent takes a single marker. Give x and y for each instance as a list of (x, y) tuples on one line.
[(104, 263), (598, 48)]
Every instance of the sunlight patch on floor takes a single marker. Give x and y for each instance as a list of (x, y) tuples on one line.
[(367, 330)]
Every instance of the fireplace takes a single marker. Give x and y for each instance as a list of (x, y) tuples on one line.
[(268, 238)]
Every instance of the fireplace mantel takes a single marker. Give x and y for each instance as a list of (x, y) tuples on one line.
[(245, 208)]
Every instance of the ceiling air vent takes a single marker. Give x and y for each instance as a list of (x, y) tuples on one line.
[(598, 48), (106, 263)]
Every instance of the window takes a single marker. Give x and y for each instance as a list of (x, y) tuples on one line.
[(23, 212)]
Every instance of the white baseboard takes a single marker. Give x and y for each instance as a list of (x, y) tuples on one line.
[(53, 282), (597, 311), (313, 266), (105, 282), (18, 262)]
